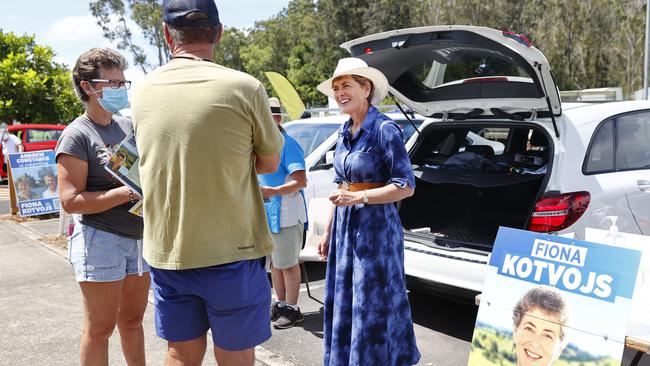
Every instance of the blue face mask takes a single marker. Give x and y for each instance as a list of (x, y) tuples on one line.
[(114, 100)]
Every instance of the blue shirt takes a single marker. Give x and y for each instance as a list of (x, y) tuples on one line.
[(292, 159)]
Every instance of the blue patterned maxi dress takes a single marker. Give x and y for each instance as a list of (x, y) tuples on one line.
[(367, 317)]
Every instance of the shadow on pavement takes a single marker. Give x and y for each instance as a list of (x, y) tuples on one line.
[(313, 323), (443, 315)]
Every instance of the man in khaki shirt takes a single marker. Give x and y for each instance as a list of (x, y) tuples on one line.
[(203, 131)]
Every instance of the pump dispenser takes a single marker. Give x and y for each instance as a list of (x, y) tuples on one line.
[(614, 237)]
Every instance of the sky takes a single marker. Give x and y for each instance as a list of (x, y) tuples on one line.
[(69, 28)]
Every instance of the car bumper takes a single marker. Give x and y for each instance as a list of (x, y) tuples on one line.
[(448, 268)]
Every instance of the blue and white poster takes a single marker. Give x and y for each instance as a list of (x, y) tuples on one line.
[(35, 180), (550, 300)]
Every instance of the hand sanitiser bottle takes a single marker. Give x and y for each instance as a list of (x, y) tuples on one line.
[(614, 237)]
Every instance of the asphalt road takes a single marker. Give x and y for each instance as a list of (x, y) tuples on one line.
[(443, 327)]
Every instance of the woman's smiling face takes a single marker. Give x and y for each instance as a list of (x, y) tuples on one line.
[(538, 338), (350, 95)]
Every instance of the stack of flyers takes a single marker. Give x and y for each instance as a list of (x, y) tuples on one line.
[(137, 209), (123, 164)]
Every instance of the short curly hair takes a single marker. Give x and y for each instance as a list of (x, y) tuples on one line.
[(90, 63), (545, 298)]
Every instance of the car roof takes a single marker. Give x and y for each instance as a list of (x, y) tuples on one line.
[(583, 113), (340, 118), (337, 119), (34, 126)]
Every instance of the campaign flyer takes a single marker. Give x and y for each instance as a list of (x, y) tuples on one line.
[(35, 180)]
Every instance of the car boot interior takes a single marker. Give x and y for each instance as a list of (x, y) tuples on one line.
[(466, 189)]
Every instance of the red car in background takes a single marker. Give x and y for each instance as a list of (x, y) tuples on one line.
[(34, 137)]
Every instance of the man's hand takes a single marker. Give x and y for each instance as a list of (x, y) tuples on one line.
[(268, 192)]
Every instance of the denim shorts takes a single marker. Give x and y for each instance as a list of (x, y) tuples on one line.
[(100, 256), (232, 299)]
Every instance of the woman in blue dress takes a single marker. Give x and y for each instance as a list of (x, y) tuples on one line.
[(367, 317)]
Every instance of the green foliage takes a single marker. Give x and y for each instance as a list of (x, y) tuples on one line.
[(228, 51), (33, 88), (112, 17), (595, 43)]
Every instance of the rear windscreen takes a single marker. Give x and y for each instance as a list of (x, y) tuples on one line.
[(451, 65), (43, 135), (462, 66)]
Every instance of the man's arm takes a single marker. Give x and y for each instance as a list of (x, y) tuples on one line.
[(266, 164)]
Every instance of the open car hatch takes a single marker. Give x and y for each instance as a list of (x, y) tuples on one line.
[(438, 70)]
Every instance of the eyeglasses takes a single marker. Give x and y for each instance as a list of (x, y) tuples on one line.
[(113, 83)]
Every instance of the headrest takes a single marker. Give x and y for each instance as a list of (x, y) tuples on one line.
[(538, 139), (484, 150)]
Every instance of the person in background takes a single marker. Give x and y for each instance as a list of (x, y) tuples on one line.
[(539, 326), (50, 181), (367, 316), (11, 144), (287, 215), (114, 279), (24, 188), (203, 131)]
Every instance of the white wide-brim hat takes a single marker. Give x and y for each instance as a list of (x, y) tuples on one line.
[(356, 66), (276, 108)]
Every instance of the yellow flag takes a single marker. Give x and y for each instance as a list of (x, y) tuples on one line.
[(287, 93)]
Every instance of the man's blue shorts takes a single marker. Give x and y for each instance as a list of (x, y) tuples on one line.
[(232, 300)]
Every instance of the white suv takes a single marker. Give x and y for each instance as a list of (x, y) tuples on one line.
[(317, 136), (563, 168)]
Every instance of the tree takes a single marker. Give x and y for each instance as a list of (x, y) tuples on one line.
[(590, 43), (34, 88), (228, 51), (147, 14)]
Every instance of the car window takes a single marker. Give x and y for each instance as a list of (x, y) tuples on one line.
[(41, 135), (633, 134), (600, 156), (461, 65), (311, 135), (407, 128)]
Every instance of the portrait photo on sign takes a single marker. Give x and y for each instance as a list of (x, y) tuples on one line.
[(35, 183), (549, 300)]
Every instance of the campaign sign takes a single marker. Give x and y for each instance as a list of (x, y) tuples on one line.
[(550, 300), (35, 181)]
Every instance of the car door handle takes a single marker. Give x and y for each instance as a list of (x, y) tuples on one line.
[(643, 185)]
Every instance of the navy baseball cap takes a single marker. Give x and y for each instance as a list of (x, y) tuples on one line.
[(175, 11)]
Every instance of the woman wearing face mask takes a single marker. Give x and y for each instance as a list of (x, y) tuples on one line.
[(105, 248), (367, 317)]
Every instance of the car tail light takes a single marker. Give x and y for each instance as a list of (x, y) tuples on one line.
[(558, 211), (367, 50)]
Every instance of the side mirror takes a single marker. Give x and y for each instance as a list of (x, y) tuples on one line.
[(329, 157), (326, 162)]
